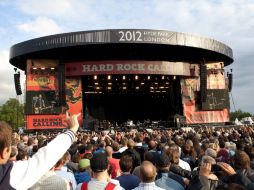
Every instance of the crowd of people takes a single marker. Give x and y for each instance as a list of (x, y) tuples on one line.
[(204, 158)]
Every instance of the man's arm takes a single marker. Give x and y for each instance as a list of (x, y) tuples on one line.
[(25, 173)]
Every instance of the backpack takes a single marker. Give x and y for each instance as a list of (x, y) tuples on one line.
[(110, 186)]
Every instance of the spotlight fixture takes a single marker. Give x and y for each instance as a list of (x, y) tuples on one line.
[(162, 77), (43, 68), (148, 77), (161, 87), (142, 83), (123, 77), (109, 77), (136, 77), (167, 82), (34, 68), (137, 87), (95, 77), (109, 88), (124, 88), (151, 87), (97, 87), (174, 77), (109, 83), (96, 83), (52, 68)]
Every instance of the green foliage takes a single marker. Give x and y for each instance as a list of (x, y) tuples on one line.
[(239, 114), (12, 112)]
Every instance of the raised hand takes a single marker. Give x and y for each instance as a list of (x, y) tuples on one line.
[(72, 121)]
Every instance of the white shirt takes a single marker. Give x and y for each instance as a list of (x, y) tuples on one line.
[(67, 176), (122, 149), (95, 184), (184, 165)]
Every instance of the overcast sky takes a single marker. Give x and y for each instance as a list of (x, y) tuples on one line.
[(228, 21)]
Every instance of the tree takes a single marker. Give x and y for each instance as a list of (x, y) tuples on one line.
[(239, 114), (12, 112)]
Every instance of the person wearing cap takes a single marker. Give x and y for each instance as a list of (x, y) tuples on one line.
[(166, 179), (100, 178), (83, 175)]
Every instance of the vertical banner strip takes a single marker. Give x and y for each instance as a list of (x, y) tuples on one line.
[(73, 90)]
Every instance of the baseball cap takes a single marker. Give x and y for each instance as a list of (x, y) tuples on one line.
[(84, 163)]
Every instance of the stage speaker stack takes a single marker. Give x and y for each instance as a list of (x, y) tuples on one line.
[(17, 84), (203, 82), (230, 81)]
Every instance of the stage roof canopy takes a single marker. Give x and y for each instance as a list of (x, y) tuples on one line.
[(121, 44)]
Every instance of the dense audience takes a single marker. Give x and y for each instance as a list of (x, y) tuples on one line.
[(204, 158)]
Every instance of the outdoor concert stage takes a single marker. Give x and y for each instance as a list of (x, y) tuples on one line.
[(114, 76)]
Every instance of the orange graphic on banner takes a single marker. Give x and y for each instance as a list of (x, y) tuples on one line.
[(73, 89), (41, 82), (41, 75)]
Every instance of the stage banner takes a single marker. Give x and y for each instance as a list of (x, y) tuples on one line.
[(131, 67), (45, 121), (73, 90), (41, 75), (191, 106), (215, 76)]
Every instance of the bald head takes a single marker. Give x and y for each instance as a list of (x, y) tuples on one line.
[(147, 172), (109, 151)]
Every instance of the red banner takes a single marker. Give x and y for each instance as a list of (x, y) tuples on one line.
[(45, 121), (131, 67)]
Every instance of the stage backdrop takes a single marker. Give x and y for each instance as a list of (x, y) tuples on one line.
[(217, 102)]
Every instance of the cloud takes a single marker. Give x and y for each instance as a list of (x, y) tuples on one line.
[(45, 8), (7, 87), (41, 26)]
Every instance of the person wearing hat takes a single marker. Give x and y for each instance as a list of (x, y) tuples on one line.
[(166, 179), (100, 178), (83, 175)]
